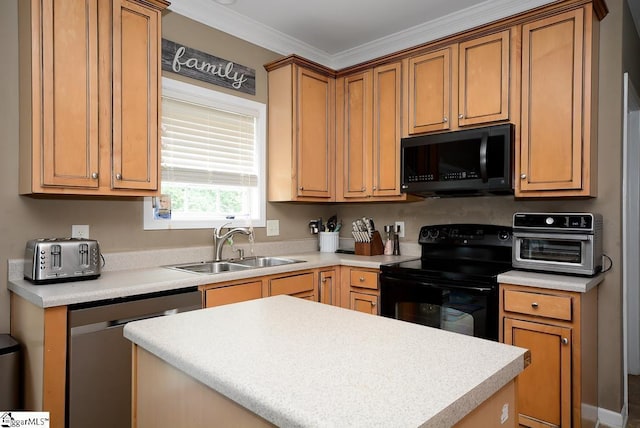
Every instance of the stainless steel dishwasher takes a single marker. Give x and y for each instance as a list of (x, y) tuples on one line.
[(99, 363)]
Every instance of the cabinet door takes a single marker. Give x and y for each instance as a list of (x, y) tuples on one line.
[(355, 142), (544, 388), (387, 130), (69, 95), (367, 303), (483, 79), (315, 134), (136, 73), (327, 287), (232, 294), (552, 99), (298, 285), (430, 89)]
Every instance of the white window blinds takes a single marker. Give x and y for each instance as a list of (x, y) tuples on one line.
[(203, 145)]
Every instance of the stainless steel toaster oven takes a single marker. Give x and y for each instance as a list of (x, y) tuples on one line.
[(49, 260), (569, 243)]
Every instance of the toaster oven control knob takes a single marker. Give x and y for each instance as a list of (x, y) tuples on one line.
[(549, 220), (503, 235)]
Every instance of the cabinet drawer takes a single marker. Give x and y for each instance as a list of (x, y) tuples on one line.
[(367, 303), (292, 284), (233, 294), (544, 305), (364, 279)]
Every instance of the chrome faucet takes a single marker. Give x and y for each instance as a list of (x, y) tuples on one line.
[(219, 240)]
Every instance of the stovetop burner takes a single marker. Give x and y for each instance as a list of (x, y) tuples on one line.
[(452, 270), (459, 252)]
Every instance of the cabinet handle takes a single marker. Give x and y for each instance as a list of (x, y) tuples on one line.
[(94, 175), (523, 176), (301, 188), (445, 119), (362, 279), (373, 303), (534, 305), (461, 116), (374, 188), (324, 279), (565, 341), (118, 176), (363, 189)]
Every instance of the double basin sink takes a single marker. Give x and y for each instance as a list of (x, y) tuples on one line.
[(233, 265)]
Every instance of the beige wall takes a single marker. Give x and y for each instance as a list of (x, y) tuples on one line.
[(118, 224)]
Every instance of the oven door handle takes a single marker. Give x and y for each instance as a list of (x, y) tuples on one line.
[(478, 289)]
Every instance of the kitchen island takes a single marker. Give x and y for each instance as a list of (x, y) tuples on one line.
[(289, 362)]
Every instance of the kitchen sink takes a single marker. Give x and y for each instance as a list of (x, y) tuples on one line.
[(262, 261), (233, 265), (211, 267)]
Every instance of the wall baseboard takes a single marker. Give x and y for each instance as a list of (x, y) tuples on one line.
[(610, 419)]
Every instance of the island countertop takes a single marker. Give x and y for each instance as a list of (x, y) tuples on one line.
[(300, 363)]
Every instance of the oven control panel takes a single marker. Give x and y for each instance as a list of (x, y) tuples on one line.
[(466, 234)]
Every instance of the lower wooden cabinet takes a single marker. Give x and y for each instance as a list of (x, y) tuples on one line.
[(559, 388), (232, 293), (302, 285), (361, 302), (328, 286), (359, 289)]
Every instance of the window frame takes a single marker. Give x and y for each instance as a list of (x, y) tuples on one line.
[(223, 101)]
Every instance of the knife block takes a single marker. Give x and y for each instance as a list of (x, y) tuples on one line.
[(372, 248)]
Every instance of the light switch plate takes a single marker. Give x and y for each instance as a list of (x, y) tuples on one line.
[(80, 231), (401, 232), (273, 227)]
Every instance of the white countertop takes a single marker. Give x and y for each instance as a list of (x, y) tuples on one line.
[(580, 284), (301, 363), (131, 282)]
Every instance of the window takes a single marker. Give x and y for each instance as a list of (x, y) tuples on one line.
[(212, 160)]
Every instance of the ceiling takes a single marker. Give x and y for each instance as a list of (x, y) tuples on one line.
[(341, 33)]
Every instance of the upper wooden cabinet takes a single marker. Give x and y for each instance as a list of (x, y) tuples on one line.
[(369, 129), (301, 131), (557, 152), (90, 86), (430, 91), (462, 84)]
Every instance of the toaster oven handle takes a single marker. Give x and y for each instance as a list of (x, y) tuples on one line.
[(483, 157)]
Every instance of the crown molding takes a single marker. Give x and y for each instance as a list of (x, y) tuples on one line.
[(224, 19)]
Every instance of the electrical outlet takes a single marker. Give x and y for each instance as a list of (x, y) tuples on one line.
[(80, 231), (401, 225), (273, 227)]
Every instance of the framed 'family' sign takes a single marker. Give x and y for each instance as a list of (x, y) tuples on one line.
[(207, 68)]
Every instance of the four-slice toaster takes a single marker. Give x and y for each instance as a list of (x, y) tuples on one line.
[(49, 260)]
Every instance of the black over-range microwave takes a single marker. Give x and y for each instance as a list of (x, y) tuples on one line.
[(469, 162)]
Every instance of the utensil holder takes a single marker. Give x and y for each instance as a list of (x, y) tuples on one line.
[(329, 241), (372, 248)]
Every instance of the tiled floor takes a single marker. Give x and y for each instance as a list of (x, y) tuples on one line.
[(634, 402)]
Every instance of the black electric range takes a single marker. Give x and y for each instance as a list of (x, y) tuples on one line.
[(453, 285)]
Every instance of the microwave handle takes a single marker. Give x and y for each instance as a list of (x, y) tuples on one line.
[(483, 157)]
